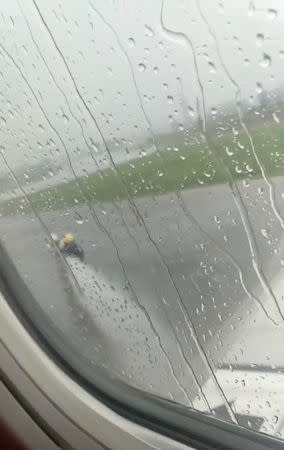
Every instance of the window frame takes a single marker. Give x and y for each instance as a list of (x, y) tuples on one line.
[(124, 413)]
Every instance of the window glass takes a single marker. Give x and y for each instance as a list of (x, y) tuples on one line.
[(142, 191)]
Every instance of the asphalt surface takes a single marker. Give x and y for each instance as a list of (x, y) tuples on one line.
[(173, 289)]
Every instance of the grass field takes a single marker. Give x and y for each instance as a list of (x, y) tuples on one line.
[(168, 170)]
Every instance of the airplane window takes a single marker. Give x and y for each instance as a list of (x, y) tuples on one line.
[(141, 202)]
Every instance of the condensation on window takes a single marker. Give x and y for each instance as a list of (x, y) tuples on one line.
[(141, 174)]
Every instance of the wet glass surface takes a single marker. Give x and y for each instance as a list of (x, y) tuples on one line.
[(152, 132)]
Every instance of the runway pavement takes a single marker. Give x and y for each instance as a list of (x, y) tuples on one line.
[(173, 288)]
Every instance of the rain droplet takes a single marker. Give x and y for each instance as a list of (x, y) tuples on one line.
[(78, 218), (190, 111), (251, 8), (264, 233), (170, 99), (275, 118), (155, 70), (148, 31), (212, 67), (220, 8), (266, 61), (213, 111), (240, 145), (259, 39), (259, 87), (131, 42), (141, 67), (271, 13), (25, 50)]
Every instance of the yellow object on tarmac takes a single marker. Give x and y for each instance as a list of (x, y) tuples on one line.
[(68, 238)]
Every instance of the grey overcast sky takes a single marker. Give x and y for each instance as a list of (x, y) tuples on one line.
[(69, 67)]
